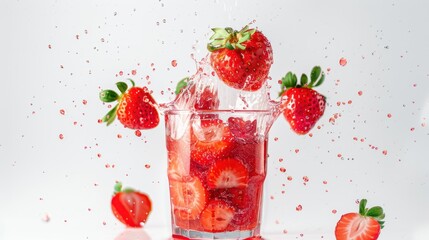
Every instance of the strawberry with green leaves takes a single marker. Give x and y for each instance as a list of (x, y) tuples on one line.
[(242, 59), (136, 108), (302, 105), (365, 225)]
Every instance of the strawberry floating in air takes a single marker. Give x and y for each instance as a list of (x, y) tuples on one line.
[(130, 207), (136, 108), (241, 59), (302, 105), (365, 225)]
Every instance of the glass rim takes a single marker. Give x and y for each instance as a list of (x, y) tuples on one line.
[(218, 111)]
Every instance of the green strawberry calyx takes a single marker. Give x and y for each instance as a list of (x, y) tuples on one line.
[(375, 212), (108, 96), (229, 38), (290, 80), (118, 188), (181, 85)]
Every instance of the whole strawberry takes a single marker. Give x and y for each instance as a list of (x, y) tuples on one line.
[(131, 207), (365, 225), (136, 108), (241, 59), (302, 106)]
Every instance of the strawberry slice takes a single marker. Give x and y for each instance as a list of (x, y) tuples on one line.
[(227, 173), (217, 216), (365, 225), (188, 198), (211, 140)]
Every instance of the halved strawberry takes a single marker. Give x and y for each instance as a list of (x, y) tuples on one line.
[(188, 198), (210, 140), (178, 167), (227, 173), (216, 216), (365, 225)]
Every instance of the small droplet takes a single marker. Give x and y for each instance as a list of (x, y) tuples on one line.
[(343, 61), (100, 121), (174, 63), (334, 211), (138, 133), (299, 207), (62, 111), (412, 129), (296, 150), (305, 178), (282, 169), (84, 102), (46, 218), (121, 73), (119, 135), (134, 72), (360, 93), (147, 166), (389, 115), (385, 152), (49, 46), (99, 155), (61, 136), (276, 139)]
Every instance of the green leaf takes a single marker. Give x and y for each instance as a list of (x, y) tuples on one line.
[(181, 84), (110, 116), (294, 80), (375, 212), (244, 37), (117, 187), (304, 79), (122, 86), (238, 45), (322, 78), (128, 190), (229, 46), (132, 82), (108, 96), (315, 73), (362, 206)]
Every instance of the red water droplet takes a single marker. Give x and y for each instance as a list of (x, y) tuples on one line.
[(289, 178), (100, 121), (360, 93), (121, 73), (280, 159), (119, 136), (325, 182), (77, 37), (46, 218), (305, 178), (138, 133), (296, 150), (276, 139), (412, 129), (99, 155), (299, 207), (385, 152), (339, 155), (389, 115), (62, 111), (49, 46), (147, 166), (104, 223), (61, 136), (334, 211), (89, 209), (134, 72), (84, 102), (282, 169), (284, 231), (107, 165), (343, 61), (174, 63), (349, 102)]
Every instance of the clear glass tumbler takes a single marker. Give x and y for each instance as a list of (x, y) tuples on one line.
[(216, 170)]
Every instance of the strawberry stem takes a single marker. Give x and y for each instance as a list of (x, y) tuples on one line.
[(375, 212), (317, 76), (117, 188), (229, 38)]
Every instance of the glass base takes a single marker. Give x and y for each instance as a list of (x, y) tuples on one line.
[(186, 234)]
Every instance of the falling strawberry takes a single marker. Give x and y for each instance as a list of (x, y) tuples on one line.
[(365, 225), (242, 59), (136, 108), (302, 105), (130, 207)]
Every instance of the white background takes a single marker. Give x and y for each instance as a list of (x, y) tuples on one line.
[(67, 181)]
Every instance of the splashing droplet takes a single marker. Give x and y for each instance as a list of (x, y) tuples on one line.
[(138, 133), (343, 62), (174, 63), (62, 111), (299, 207), (61, 136)]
